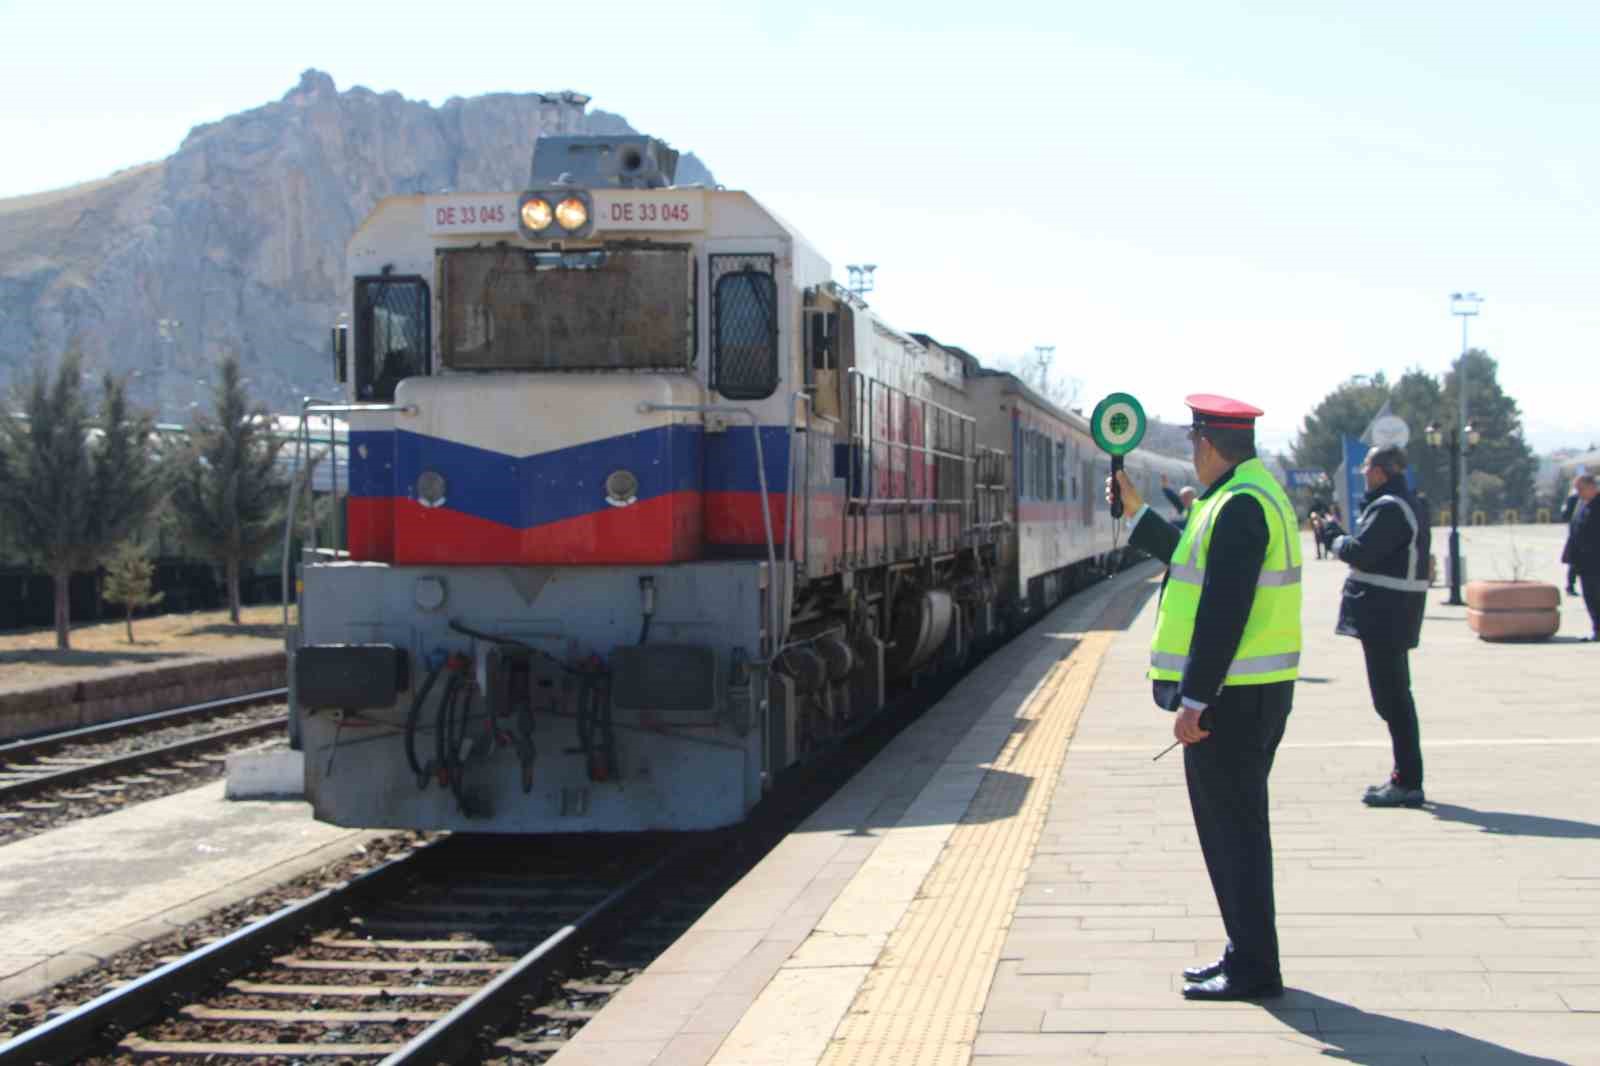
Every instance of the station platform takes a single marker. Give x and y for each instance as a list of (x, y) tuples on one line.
[(71, 897), (1014, 880)]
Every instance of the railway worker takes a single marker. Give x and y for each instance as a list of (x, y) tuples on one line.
[(1383, 602), (1225, 657)]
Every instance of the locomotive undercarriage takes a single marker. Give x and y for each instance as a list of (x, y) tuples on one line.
[(500, 698)]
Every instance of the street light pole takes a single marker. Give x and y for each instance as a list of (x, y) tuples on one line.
[(1465, 305), (1457, 442)]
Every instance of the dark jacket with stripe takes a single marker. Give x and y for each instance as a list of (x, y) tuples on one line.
[(1386, 592)]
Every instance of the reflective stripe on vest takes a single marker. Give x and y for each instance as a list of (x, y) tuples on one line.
[(1269, 648), (1414, 581), (1189, 573), (1261, 664)]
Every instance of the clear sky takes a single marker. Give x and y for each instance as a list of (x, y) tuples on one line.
[(1258, 199)]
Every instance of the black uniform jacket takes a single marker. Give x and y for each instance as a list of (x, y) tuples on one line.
[(1583, 538), (1238, 549), (1391, 540)]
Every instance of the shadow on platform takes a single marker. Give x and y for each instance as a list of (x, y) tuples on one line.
[(56, 657), (1367, 1037), (264, 630), (1506, 823)]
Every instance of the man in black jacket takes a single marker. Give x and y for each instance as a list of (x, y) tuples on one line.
[(1583, 547), (1382, 605)]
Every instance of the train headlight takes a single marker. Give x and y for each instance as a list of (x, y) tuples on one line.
[(572, 214), (430, 488), (622, 488), (536, 214)]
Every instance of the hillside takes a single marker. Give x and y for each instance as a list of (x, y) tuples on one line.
[(237, 240)]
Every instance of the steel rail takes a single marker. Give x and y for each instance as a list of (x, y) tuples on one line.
[(50, 741), (452, 1038), (79, 1031), (119, 764)]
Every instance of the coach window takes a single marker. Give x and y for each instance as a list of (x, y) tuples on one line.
[(392, 331), (744, 326)]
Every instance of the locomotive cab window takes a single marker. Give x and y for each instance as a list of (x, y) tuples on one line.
[(392, 332), (744, 326)]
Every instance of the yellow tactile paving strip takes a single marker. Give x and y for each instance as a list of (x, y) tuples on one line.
[(922, 999)]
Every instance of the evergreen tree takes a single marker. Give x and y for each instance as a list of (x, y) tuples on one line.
[(1345, 411), (1421, 400), (227, 490), (71, 489), (1501, 449), (129, 574)]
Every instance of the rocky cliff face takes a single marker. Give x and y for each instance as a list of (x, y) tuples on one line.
[(237, 240)]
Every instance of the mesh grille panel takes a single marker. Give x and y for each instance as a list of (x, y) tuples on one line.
[(744, 320), (612, 309)]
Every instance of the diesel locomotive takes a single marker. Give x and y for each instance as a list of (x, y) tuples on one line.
[(644, 508)]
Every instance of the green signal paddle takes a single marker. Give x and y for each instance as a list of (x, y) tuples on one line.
[(1117, 426)]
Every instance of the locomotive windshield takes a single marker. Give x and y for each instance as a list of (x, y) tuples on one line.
[(607, 309)]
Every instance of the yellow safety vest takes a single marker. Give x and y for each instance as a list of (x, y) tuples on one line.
[(1269, 650)]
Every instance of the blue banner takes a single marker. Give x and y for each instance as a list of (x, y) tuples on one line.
[(1355, 483)]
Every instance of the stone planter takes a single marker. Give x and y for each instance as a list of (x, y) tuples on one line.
[(1513, 610)]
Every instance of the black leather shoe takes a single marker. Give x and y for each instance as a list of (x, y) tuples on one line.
[(1223, 987), (1194, 974)]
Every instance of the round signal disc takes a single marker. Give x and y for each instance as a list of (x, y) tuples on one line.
[(1117, 424)]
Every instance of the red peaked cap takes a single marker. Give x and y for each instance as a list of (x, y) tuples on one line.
[(1219, 412)]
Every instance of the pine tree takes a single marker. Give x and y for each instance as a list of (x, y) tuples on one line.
[(129, 574), (1501, 449), (70, 489), (227, 489)]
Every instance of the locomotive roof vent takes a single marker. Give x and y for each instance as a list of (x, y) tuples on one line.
[(631, 161)]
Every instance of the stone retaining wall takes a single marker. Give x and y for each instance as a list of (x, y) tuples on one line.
[(124, 693)]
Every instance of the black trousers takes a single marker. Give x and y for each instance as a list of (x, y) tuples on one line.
[(1389, 678), (1227, 777), (1591, 596)]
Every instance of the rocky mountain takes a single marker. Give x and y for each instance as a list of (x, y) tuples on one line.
[(237, 240)]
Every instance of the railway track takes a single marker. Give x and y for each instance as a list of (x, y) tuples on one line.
[(407, 963), (60, 777), (431, 958)]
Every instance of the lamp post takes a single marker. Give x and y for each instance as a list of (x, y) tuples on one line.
[(1458, 443), (1465, 306), (861, 277)]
